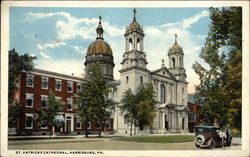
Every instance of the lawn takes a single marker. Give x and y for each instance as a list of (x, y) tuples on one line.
[(158, 139)]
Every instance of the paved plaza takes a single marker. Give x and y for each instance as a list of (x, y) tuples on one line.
[(102, 143)]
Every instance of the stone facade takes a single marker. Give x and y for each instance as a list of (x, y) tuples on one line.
[(170, 85)]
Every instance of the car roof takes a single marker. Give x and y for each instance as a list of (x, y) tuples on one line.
[(200, 126)]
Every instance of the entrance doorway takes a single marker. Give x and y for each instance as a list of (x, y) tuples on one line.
[(166, 122), (68, 125)]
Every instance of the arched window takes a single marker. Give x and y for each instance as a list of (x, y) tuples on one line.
[(163, 93), (173, 62), (138, 45), (130, 44), (180, 64)]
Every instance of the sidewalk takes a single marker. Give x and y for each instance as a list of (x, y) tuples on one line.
[(39, 137)]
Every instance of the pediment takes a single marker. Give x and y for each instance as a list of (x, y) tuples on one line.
[(163, 72)]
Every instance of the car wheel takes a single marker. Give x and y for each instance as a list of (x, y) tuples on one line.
[(228, 143), (197, 146), (200, 139), (212, 145)]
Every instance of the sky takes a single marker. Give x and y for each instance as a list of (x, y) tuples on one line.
[(59, 37)]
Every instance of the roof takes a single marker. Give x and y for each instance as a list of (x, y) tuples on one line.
[(134, 25), (207, 126), (176, 48), (55, 74), (99, 47), (114, 83)]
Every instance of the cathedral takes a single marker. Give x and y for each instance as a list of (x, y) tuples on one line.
[(169, 83)]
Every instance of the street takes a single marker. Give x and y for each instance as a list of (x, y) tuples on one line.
[(103, 143)]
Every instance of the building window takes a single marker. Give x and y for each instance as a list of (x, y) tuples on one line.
[(78, 123), (45, 83), (44, 99), (58, 85), (89, 125), (141, 80), (17, 98), (69, 103), (29, 121), (30, 81), (44, 126), (70, 87), (191, 117), (29, 100), (79, 87), (126, 120), (182, 90), (173, 62), (130, 44), (163, 93), (127, 79), (182, 102)]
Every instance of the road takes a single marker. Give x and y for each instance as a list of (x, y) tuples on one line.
[(104, 143)]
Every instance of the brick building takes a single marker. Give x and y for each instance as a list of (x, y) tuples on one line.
[(193, 116), (32, 94)]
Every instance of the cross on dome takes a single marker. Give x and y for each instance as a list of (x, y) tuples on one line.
[(99, 29), (100, 19), (134, 10), (175, 38)]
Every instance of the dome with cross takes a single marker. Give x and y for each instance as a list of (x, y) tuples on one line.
[(175, 47)]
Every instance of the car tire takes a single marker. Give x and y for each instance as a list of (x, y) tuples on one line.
[(212, 145), (197, 146), (199, 140), (228, 143)]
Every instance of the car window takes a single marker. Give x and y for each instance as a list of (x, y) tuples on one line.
[(206, 130)]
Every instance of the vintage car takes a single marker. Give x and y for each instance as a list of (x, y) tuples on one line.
[(211, 136)]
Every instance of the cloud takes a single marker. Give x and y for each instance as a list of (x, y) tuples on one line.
[(44, 55), (79, 49), (50, 45), (157, 41), (187, 22), (65, 66)]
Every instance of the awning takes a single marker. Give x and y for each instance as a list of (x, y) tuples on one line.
[(60, 118)]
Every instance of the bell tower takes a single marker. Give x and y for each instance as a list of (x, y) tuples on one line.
[(134, 72), (175, 57), (134, 55)]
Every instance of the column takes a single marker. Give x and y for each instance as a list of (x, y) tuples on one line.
[(163, 120)]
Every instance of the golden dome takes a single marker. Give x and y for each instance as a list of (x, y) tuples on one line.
[(176, 47), (134, 25), (99, 47)]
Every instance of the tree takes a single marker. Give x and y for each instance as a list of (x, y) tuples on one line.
[(139, 108), (47, 116), (129, 108), (219, 91), (146, 106), (17, 64), (93, 103)]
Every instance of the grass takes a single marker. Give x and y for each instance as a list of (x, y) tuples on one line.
[(158, 139)]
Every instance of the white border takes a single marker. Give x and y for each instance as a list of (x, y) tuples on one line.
[(245, 81)]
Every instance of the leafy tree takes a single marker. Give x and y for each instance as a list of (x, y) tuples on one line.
[(219, 91), (17, 64), (47, 116), (93, 102), (139, 108), (146, 106), (129, 108)]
